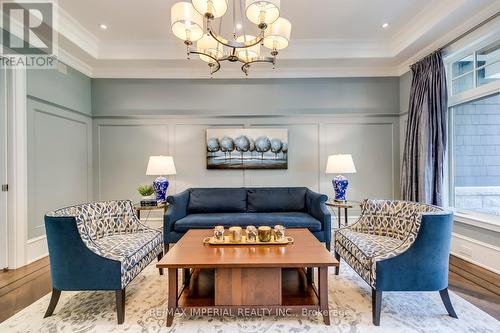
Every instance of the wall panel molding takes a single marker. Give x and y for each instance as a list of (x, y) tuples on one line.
[(184, 139)]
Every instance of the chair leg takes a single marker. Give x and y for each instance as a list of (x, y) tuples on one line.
[(328, 246), (376, 306), (160, 255), (53, 302), (120, 305), (337, 268), (165, 248), (445, 297)]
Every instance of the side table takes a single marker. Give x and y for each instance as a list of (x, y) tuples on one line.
[(342, 205), (138, 208)]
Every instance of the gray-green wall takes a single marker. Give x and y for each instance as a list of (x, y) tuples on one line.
[(59, 142), (136, 118), (112, 97)]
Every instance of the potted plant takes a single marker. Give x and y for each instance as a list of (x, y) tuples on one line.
[(146, 192)]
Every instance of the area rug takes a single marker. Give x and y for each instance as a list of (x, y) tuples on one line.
[(349, 297)]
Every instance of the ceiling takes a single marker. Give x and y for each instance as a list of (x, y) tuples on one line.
[(329, 37)]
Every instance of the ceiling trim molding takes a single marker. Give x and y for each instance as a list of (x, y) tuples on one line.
[(388, 56), (298, 49), (422, 23), (70, 28), (197, 73), (74, 62), (484, 14)]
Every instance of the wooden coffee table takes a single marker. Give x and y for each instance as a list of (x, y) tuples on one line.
[(248, 280)]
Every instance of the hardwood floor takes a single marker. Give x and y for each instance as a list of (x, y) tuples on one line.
[(477, 285), (21, 287)]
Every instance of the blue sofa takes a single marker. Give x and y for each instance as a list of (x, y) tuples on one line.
[(204, 208)]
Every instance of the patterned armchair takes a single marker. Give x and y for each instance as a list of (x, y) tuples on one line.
[(398, 246), (98, 246)]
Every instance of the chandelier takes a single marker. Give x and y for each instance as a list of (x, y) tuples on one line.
[(193, 23)]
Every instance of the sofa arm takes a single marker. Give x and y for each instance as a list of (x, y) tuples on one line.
[(315, 205), (177, 209)]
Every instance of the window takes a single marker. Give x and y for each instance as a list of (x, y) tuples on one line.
[(474, 131), (475, 69), (476, 155)]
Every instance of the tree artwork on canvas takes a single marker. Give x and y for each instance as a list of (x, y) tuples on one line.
[(255, 148)]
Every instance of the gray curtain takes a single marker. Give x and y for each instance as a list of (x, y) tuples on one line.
[(425, 145)]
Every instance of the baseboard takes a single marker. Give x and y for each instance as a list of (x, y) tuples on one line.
[(36, 248), (476, 252)]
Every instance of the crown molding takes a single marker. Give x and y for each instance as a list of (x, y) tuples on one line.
[(70, 28), (298, 49), (75, 62), (325, 57), (425, 21), (481, 16), (186, 72)]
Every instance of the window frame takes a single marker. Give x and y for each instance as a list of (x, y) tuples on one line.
[(483, 220)]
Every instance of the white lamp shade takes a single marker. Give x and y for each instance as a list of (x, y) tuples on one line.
[(339, 164), (160, 166), (207, 44), (248, 53), (262, 11), (215, 7), (187, 23), (277, 35)]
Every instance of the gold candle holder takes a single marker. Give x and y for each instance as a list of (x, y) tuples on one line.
[(251, 234), (279, 232), (219, 233), (235, 234), (264, 233)]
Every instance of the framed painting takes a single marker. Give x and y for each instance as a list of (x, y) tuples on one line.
[(247, 148)]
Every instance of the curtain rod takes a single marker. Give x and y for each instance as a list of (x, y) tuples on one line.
[(456, 39)]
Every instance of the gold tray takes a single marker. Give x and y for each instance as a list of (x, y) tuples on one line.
[(211, 241)]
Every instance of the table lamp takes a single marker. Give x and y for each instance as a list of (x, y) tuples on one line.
[(160, 166), (338, 164)]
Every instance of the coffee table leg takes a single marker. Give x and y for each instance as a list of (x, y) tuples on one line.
[(310, 274), (323, 294), (172, 295)]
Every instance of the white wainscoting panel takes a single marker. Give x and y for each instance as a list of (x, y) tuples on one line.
[(59, 161), (123, 153)]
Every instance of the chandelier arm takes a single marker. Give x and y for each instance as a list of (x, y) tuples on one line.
[(235, 44), (217, 66), (246, 65)]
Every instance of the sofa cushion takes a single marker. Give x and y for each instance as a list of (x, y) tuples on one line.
[(132, 247), (277, 199), (208, 221), (217, 200)]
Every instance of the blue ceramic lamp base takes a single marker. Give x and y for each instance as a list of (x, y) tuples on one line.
[(160, 185), (340, 184)]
